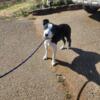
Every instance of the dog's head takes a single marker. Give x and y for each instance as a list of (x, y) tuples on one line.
[(47, 29), (45, 22)]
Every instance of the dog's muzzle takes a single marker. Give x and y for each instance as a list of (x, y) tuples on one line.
[(46, 35)]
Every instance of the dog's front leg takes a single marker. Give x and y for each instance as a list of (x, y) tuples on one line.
[(54, 50), (46, 49)]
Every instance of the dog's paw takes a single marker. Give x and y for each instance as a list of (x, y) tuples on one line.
[(62, 47), (53, 63), (45, 58)]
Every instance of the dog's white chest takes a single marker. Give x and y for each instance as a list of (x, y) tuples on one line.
[(48, 42)]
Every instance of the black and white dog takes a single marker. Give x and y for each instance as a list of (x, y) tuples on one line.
[(53, 34)]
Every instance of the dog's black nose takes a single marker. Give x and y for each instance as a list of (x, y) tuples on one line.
[(46, 35)]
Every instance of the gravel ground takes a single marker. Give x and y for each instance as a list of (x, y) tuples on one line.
[(33, 80), (36, 79), (81, 64)]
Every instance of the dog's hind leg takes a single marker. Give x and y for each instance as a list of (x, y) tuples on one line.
[(63, 46), (69, 42), (46, 49)]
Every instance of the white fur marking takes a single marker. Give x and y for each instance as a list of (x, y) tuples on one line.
[(54, 50), (47, 32)]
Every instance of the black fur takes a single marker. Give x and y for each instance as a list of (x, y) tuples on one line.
[(60, 32), (45, 21)]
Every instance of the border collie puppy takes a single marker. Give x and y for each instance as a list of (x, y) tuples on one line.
[(52, 35)]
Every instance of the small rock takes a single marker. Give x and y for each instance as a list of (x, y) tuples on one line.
[(60, 78)]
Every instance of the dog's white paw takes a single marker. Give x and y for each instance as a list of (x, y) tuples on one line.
[(62, 47), (53, 63), (45, 58)]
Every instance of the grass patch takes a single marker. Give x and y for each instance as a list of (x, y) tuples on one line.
[(20, 9), (8, 3), (61, 2), (23, 8)]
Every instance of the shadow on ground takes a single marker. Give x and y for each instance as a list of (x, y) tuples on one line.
[(96, 16), (84, 64)]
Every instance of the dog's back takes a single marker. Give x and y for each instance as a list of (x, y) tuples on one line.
[(60, 32), (65, 29)]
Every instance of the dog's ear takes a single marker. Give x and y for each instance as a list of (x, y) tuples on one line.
[(45, 21)]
